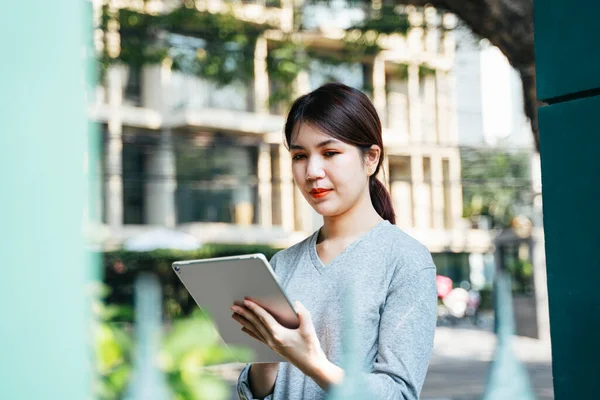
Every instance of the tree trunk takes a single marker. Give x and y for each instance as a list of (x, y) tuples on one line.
[(507, 24)]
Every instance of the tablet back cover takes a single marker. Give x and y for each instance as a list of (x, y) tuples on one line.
[(215, 285)]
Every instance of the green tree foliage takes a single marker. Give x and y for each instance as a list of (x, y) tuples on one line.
[(190, 348), (121, 268), (388, 19), (219, 47), (284, 62), (112, 348), (496, 183), (191, 344)]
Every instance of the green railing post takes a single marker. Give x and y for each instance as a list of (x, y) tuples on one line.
[(507, 377), (353, 386)]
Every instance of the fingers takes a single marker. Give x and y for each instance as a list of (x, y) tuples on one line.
[(304, 316), (248, 325), (249, 332), (262, 314), (262, 321), (255, 323)]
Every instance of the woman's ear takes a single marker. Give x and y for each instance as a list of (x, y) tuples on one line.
[(372, 159)]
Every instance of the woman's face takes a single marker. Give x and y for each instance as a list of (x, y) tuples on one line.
[(331, 174)]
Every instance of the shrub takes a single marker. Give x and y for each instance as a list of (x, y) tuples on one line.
[(122, 267)]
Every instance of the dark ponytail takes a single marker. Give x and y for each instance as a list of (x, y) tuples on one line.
[(381, 199), (348, 115)]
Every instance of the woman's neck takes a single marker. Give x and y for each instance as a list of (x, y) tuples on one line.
[(351, 224)]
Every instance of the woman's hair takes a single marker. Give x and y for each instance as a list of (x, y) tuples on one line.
[(348, 115)]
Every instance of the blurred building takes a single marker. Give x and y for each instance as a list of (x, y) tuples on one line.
[(183, 152), (491, 116), (489, 93)]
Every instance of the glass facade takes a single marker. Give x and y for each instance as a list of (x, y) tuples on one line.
[(216, 180)]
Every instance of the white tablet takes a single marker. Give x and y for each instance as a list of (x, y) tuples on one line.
[(217, 283)]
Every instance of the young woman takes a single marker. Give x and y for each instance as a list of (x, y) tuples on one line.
[(334, 136)]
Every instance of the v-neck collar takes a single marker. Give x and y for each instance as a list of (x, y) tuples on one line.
[(314, 256)]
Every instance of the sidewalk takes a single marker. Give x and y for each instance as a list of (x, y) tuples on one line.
[(461, 359), (460, 362)]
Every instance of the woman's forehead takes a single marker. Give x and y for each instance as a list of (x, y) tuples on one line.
[(308, 135)]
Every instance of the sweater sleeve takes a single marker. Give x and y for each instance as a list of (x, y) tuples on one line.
[(406, 332), (243, 384)]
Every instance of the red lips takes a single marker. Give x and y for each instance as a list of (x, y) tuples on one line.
[(318, 193)]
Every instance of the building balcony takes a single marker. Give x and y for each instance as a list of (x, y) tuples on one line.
[(276, 13), (210, 119)]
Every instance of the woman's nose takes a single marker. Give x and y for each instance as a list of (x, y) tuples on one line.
[(314, 169)]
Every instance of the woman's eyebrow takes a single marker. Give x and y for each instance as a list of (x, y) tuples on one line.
[(322, 144)]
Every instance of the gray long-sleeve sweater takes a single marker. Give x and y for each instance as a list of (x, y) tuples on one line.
[(394, 316)]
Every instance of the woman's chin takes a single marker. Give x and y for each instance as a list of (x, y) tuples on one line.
[(326, 210)]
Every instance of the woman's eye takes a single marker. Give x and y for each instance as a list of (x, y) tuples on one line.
[(298, 157), (330, 153)]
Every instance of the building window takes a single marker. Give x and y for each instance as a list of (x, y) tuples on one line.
[(133, 87), (322, 72), (137, 145), (401, 189), (216, 179)]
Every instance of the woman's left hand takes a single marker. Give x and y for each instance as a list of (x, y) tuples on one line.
[(299, 346)]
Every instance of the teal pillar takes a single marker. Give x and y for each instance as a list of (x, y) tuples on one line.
[(43, 333), (568, 79)]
